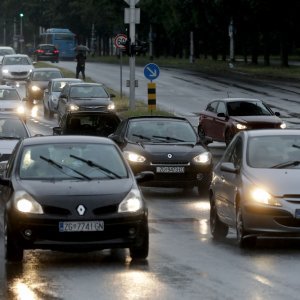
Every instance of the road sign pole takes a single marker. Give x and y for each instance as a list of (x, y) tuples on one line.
[(132, 56)]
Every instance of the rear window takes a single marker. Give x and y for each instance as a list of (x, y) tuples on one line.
[(48, 47)]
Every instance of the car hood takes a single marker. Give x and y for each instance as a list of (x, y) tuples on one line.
[(91, 101), (7, 146), (257, 119), (277, 181), (159, 150), (18, 68), (4, 104), (44, 189)]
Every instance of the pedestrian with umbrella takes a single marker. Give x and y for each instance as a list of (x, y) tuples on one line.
[(81, 58)]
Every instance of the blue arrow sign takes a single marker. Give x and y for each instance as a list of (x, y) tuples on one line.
[(151, 71)]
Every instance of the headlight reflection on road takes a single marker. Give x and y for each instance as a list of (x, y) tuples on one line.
[(23, 292), (34, 111)]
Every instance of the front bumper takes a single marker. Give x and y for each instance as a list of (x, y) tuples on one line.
[(192, 175), (270, 221), (119, 232)]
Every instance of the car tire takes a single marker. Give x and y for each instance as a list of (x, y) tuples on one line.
[(218, 229), (141, 249), (204, 184), (243, 240), (13, 251)]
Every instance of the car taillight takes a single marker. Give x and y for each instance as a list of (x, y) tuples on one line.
[(40, 51), (55, 51)]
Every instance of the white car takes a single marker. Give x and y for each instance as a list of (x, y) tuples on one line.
[(52, 93), (15, 67), (4, 50), (11, 101)]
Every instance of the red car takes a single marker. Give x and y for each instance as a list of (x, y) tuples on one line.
[(223, 118)]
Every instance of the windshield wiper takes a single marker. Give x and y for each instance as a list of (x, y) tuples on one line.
[(296, 146), (286, 164), (60, 167), (10, 137), (90, 163), (142, 137), (168, 138)]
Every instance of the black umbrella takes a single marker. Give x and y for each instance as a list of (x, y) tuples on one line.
[(81, 48)]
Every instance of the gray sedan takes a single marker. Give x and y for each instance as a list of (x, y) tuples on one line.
[(255, 187)]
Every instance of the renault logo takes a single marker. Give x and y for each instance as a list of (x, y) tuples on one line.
[(81, 210), (170, 155)]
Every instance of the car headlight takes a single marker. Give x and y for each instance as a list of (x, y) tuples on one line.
[(21, 110), (73, 107), (111, 106), (35, 88), (240, 126), (132, 202), (26, 204), (134, 157), (263, 197), (282, 125), (5, 71), (203, 158)]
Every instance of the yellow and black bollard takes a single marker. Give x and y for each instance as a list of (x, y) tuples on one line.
[(151, 96)]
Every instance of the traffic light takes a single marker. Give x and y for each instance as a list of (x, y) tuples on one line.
[(141, 47)]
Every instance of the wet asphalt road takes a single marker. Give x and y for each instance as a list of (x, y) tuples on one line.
[(184, 262)]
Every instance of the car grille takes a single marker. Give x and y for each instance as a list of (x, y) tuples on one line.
[(289, 222), (93, 107), (19, 73), (170, 163), (263, 126), (52, 210)]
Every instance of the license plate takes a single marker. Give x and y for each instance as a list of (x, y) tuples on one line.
[(169, 169), (81, 226), (297, 214)]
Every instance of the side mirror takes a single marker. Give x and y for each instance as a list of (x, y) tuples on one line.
[(57, 130), (277, 113), (229, 167), (116, 138), (112, 95), (144, 176), (221, 115)]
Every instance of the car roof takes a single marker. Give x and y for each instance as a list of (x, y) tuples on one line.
[(16, 55), (236, 99), (8, 87), (45, 69), (67, 79), (63, 139), (6, 47), (45, 45), (85, 84), (151, 117), (270, 132)]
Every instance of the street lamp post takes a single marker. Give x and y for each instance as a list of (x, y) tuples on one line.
[(21, 32)]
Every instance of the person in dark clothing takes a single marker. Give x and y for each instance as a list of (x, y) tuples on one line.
[(80, 57)]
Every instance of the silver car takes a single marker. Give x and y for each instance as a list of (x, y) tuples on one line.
[(15, 67), (255, 187), (51, 94)]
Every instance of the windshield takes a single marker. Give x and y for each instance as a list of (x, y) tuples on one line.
[(58, 86), (16, 60), (9, 94), (249, 108), (274, 152), (72, 161), (161, 131), (88, 92)]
